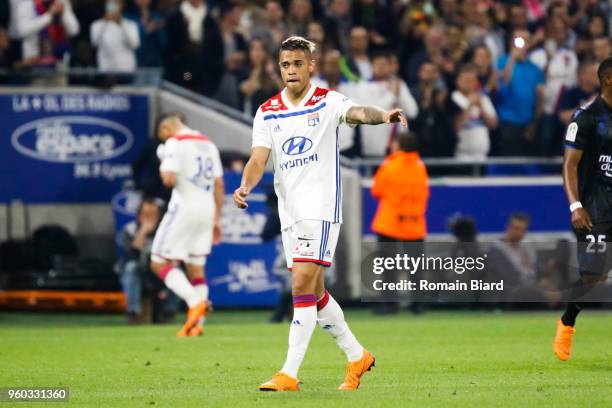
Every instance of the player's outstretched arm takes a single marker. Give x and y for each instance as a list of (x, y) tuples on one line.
[(253, 171), (371, 115), (581, 220)]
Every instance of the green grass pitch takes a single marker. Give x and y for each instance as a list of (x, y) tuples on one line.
[(437, 359)]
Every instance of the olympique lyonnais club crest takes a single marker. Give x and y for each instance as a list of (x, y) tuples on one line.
[(313, 119)]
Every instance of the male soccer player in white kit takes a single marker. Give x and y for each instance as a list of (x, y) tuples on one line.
[(191, 165), (299, 126)]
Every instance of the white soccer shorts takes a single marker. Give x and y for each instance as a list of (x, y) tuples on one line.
[(310, 241), (183, 235)]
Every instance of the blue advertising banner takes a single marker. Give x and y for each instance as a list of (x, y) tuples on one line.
[(489, 205), (69, 147), (240, 270)]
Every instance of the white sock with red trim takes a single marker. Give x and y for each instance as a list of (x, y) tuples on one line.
[(176, 281), (302, 326), (331, 318)]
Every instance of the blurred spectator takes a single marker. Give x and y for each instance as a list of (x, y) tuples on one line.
[(433, 42), (519, 18), (514, 261), (595, 27), (377, 18), (338, 23), (356, 63), (481, 31), (520, 99), (83, 52), (262, 82), (153, 39), (44, 28), (116, 39), (465, 232), (559, 64), (275, 30), (587, 88), (601, 48), (389, 92), (473, 114), (453, 53), (235, 54), (432, 125), (330, 74), (487, 76), (449, 11), (331, 77), (137, 238), (402, 200), (300, 15), (316, 34), (195, 58), (517, 259)]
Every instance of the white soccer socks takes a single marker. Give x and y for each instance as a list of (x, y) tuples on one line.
[(201, 287), (331, 318), (302, 326), (177, 282)]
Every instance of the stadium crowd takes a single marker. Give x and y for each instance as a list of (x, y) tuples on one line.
[(475, 77)]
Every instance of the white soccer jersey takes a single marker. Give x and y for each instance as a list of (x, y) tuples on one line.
[(196, 162), (304, 144)]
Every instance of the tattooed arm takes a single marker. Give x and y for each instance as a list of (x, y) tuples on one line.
[(371, 115)]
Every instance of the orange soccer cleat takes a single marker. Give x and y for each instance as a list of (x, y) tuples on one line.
[(280, 382), (193, 315), (355, 370), (562, 345), (196, 331)]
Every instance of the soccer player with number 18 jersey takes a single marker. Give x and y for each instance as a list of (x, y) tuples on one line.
[(299, 128)]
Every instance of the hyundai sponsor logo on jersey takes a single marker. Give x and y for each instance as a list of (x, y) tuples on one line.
[(72, 139), (297, 145)]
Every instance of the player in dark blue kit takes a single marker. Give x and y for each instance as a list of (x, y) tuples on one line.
[(587, 178)]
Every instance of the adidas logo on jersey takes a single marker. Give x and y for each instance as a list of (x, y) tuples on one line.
[(277, 128), (328, 253)]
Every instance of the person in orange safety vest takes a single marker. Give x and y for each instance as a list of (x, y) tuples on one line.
[(401, 185)]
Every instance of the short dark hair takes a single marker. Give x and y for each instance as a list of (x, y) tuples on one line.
[(605, 68), (227, 7), (468, 67), (408, 141), (585, 63), (519, 216), (296, 43)]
